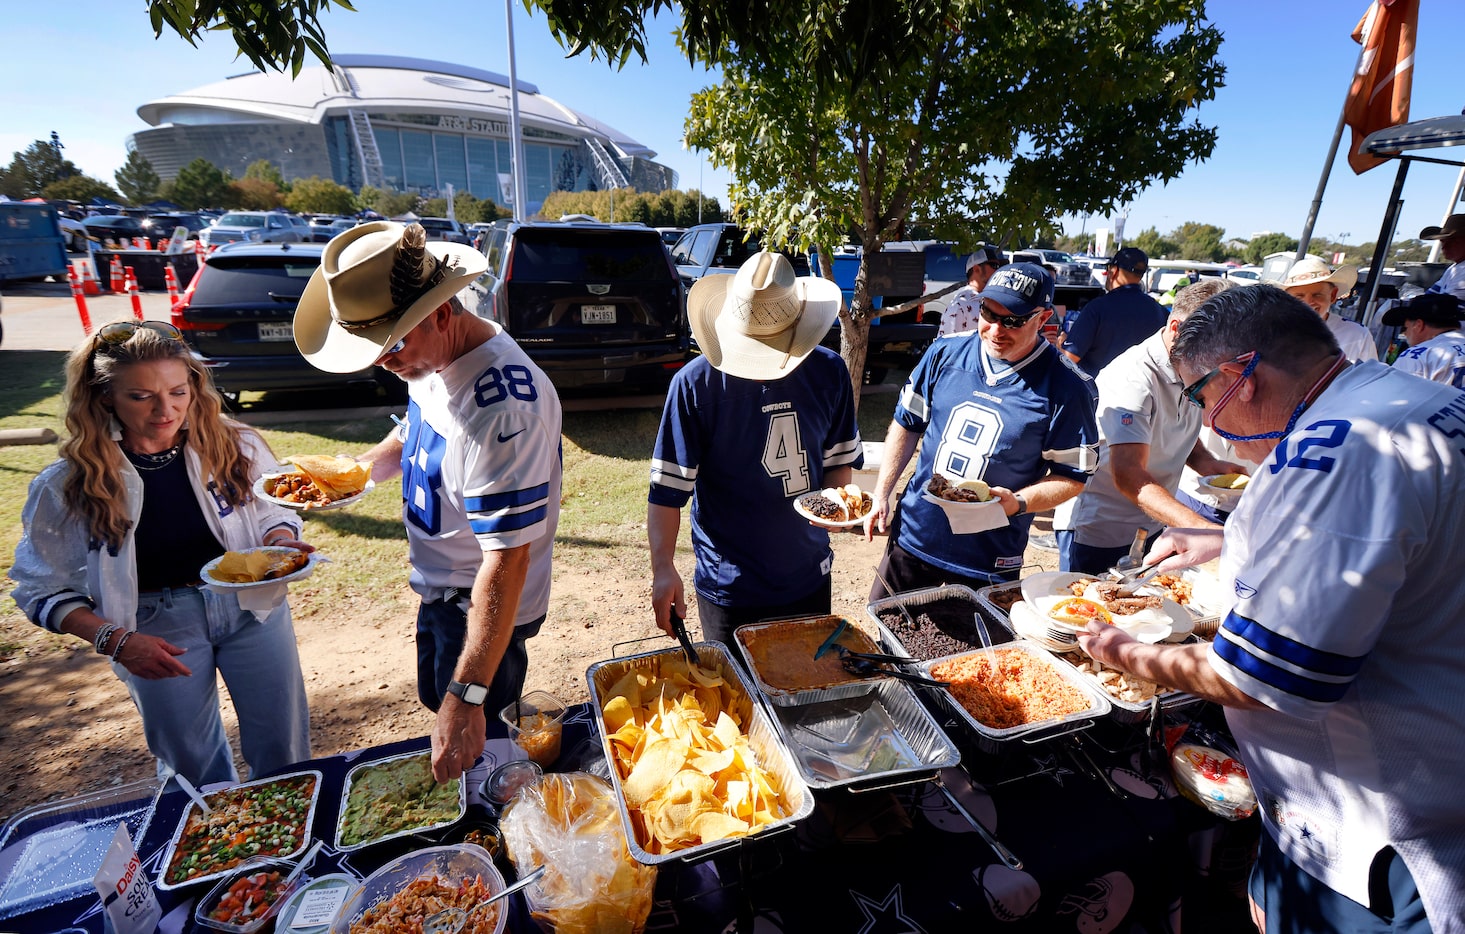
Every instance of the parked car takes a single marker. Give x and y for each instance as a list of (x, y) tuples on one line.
[(119, 227), (440, 228), (256, 227), (161, 226), (323, 229), (593, 304), (74, 232), (238, 313), (1065, 269), (1244, 275), (670, 235), (719, 249)]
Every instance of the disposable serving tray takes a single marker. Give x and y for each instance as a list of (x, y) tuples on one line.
[(305, 834), (993, 739), (772, 755), (913, 600), (358, 771), (881, 739), (785, 697)]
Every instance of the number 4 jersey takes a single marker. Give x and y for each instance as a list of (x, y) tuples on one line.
[(481, 470), (749, 449)]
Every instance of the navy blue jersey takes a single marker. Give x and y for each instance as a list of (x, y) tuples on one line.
[(749, 449), (1111, 324), (985, 419)]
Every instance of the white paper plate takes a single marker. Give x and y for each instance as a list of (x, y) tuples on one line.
[(842, 524), (1043, 590), (1226, 498), (311, 560), (259, 490), (970, 518)]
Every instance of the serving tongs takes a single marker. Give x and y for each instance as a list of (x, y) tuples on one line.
[(864, 668), (679, 628), (1133, 579)]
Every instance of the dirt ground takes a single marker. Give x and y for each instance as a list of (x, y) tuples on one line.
[(359, 668)]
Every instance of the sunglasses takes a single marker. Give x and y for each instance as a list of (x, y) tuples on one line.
[(120, 332), (1192, 392), (1011, 322)]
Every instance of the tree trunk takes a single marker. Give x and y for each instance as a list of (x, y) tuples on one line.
[(854, 333)]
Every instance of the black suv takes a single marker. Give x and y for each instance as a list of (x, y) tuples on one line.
[(593, 304), (238, 316)]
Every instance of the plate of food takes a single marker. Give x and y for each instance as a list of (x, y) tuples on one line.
[(317, 481), (261, 819), (969, 504), (836, 507), (258, 567), (1226, 488), (1074, 600)]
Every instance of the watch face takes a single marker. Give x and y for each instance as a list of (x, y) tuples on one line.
[(474, 694)]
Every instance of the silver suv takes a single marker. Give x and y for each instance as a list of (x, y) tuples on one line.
[(256, 227)]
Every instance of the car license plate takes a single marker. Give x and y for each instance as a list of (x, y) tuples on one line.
[(276, 332), (598, 314)]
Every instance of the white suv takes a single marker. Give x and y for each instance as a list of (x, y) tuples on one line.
[(256, 227)]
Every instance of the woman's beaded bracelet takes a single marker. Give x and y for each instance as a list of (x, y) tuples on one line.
[(103, 634), (117, 652)]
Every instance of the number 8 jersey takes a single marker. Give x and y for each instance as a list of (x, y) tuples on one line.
[(982, 418)]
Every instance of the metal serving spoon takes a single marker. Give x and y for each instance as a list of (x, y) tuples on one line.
[(452, 920)]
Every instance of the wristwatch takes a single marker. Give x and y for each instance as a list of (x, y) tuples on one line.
[(471, 693), (1022, 504)]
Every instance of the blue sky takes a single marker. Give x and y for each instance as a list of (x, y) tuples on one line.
[(84, 67)]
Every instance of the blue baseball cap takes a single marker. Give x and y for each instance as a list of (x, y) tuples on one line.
[(1021, 288)]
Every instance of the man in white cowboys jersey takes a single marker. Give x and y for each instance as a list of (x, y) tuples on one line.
[(1006, 410), (479, 457), (1431, 324), (1342, 661), (764, 416)]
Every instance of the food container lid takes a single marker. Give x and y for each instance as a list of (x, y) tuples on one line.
[(202, 914), (338, 883), (505, 781)]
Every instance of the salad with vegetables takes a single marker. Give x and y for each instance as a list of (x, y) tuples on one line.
[(270, 818)]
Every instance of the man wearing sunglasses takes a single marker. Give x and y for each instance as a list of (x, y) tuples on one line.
[(1117, 320), (1342, 661), (1005, 409)]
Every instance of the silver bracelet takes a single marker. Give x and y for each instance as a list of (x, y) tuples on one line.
[(117, 652), (103, 634)]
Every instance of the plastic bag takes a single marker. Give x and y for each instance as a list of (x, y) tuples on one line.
[(570, 824), (1208, 771)]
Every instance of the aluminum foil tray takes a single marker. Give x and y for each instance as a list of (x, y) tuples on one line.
[(913, 600), (356, 772), (51, 852), (992, 739), (786, 697), (772, 755), (305, 835), (984, 600), (1122, 711), (880, 739)]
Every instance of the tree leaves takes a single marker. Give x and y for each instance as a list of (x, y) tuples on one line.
[(272, 35)]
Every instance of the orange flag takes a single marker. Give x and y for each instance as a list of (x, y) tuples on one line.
[(1379, 95)]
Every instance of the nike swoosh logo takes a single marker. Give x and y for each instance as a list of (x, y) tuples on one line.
[(503, 437)]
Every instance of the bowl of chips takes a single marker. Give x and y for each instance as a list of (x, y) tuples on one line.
[(1226, 489), (695, 762), (258, 567), (317, 481)]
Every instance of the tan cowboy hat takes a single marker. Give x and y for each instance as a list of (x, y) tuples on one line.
[(1311, 270), (762, 322), (375, 283)]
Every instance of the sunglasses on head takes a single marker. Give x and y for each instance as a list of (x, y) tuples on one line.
[(120, 332), (1012, 322)]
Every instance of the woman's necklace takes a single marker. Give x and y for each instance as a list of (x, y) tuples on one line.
[(153, 461)]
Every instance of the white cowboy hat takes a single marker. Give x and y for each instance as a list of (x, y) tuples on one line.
[(1311, 269), (762, 322), (375, 283)]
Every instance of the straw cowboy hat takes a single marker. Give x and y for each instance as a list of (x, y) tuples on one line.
[(1311, 270), (375, 283), (762, 322)]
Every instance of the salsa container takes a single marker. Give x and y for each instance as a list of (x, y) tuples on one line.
[(772, 755), (177, 838), (356, 774), (855, 686), (249, 867), (880, 739), (992, 739)]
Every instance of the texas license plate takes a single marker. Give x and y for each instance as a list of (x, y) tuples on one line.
[(598, 314), (276, 332)]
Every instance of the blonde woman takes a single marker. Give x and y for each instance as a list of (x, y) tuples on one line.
[(153, 482)]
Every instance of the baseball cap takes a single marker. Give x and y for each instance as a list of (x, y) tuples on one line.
[(1020, 288), (1131, 259), (1454, 226), (985, 253), (1433, 308)]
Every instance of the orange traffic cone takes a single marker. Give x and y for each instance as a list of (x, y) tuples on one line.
[(88, 281), (86, 318), (170, 280), (118, 282), (132, 291)]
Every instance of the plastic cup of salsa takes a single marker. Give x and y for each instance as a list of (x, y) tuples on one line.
[(536, 725)]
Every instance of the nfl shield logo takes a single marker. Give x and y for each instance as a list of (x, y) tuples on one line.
[(1126, 419)]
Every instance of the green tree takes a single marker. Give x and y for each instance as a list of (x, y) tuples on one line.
[(943, 138), (266, 171), (80, 188), (316, 195), (1264, 245), (387, 202), (1199, 241), (255, 194), (137, 179), (201, 184), (271, 35), (1154, 245), (37, 166)]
